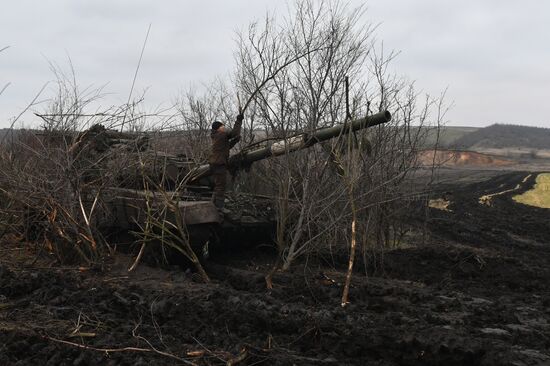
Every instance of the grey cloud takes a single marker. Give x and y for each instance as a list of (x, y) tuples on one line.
[(118, 11), (491, 54)]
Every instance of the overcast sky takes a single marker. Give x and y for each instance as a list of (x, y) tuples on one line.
[(493, 56)]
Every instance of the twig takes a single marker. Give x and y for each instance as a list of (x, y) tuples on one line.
[(135, 76), (239, 358), (166, 354), (24, 110), (107, 350), (82, 335), (124, 349), (210, 352), (138, 258), (115, 278), (5, 87), (184, 246), (274, 73)]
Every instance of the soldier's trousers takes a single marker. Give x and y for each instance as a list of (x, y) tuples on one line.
[(219, 175)]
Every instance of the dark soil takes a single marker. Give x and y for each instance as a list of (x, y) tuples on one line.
[(476, 294)]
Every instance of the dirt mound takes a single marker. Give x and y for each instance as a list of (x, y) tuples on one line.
[(451, 158)]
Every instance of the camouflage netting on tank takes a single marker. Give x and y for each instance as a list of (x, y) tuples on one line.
[(126, 160)]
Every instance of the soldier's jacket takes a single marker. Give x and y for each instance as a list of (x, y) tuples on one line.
[(222, 142)]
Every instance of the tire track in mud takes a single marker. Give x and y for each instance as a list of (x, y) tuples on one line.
[(504, 221), (486, 199), (512, 242), (412, 323)]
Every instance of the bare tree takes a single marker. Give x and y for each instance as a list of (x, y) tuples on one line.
[(314, 205)]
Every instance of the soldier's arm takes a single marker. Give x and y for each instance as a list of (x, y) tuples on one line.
[(233, 141), (236, 131)]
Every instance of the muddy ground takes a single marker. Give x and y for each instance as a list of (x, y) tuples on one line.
[(475, 293)]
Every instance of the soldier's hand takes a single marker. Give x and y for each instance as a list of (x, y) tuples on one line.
[(240, 117)]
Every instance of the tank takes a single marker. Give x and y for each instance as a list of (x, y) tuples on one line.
[(184, 186)]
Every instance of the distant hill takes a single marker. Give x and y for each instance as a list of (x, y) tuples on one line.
[(499, 136), (448, 135)]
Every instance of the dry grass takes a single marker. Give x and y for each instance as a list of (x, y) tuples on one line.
[(440, 204), (539, 196)]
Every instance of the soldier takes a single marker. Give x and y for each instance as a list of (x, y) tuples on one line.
[(222, 141)]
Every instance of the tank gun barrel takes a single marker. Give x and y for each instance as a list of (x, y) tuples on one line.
[(295, 143)]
